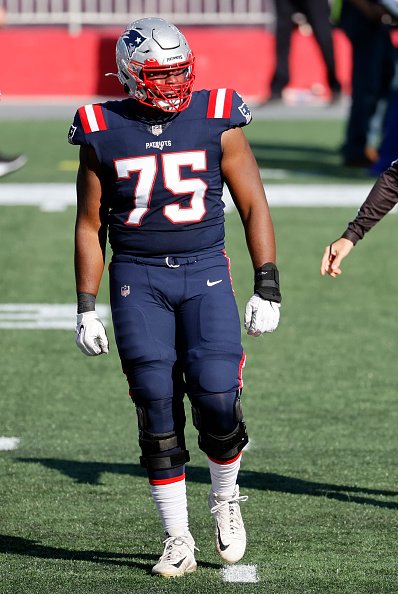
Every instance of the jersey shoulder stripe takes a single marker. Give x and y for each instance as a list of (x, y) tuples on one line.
[(92, 118), (220, 103)]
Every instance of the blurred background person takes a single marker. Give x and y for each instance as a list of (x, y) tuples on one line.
[(317, 13), (8, 163), (366, 24), (388, 149)]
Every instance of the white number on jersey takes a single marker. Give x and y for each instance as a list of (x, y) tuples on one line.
[(147, 168)]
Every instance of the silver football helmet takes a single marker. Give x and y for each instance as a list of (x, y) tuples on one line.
[(149, 51)]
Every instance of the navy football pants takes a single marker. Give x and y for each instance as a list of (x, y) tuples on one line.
[(177, 330)]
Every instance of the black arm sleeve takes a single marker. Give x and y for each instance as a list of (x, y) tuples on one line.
[(381, 199)]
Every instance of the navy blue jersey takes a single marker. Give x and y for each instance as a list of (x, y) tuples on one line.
[(161, 179)]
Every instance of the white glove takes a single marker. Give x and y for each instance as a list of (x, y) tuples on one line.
[(261, 316), (91, 337)]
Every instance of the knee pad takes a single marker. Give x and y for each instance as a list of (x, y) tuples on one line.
[(162, 451), (220, 446), (224, 447)]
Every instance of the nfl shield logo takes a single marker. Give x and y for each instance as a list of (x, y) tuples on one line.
[(125, 290), (156, 130)]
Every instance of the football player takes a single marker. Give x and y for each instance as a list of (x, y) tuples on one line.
[(381, 199), (151, 175)]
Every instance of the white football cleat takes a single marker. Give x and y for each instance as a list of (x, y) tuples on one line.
[(178, 556), (230, 530), (10, 164)]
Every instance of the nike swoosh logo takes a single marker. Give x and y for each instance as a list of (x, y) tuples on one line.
[(179, 562), (212, 283), (223, 547)]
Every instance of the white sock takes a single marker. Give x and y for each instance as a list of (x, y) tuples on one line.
[(171, 503), (224, 476)]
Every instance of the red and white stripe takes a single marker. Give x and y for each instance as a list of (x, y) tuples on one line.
[(171, 502), (224, 462), (92, 118), (220, 103), (167, 481)]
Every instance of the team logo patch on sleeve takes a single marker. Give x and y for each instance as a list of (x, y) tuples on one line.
[(220, 103), (71, 133), (92, 118), (245, 111)]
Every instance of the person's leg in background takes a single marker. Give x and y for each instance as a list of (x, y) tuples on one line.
[(372, 75), (318, 16), (388, 151), (284, 10)]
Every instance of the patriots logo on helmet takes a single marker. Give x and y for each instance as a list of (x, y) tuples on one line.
[(133, 39)]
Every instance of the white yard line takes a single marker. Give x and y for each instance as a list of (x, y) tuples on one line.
[(48, 197), (57, 197), (43, 316), (312, 195), (8, 443), (240, 573)]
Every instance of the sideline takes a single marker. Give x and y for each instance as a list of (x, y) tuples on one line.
[(299, 107), (57, 197)]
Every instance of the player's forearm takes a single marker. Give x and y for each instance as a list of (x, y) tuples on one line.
[(260, 236), (381, 199), (89, 261), (261, 245)]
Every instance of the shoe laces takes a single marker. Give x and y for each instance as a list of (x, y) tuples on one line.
[(230, 507), (173, 547)]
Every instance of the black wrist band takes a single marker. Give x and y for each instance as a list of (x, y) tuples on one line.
[(85, 302), (266, 282)]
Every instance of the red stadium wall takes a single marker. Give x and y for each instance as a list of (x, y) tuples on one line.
[(49, 61)]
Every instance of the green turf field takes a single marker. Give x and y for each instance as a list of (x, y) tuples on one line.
[(319, 400), (300, 151)]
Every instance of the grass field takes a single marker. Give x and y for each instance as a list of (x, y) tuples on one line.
[(307, 152), (319, 400)]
